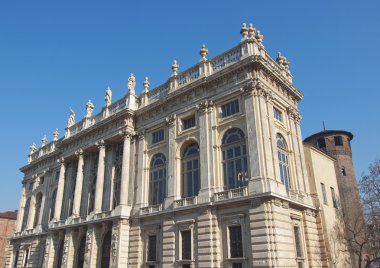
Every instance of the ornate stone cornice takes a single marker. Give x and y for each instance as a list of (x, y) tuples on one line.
[(100, 144), (125, 134), (256, 88)]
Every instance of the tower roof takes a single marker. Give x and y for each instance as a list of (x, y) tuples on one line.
[(329, 132)]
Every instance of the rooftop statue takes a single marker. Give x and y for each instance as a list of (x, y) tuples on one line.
[(90, 108), (131, 83), (108, 96), (71, 120)]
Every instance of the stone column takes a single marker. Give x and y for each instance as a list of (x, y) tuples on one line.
[(171, 183), (141, 191), (20, 214), (125, 176), (205, 130), (120, 244), (61, 186), (100, 178), (78, 185), (32, 210)]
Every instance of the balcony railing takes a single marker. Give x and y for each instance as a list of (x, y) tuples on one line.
[(151, 209), (231, 194), (188, 201)]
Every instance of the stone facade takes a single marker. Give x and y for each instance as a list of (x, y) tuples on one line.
[(7, 227), (206, 170)]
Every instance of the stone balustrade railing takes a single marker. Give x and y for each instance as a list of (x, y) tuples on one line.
[(231, 194), (188, 201), (204, 68), (151, 209)]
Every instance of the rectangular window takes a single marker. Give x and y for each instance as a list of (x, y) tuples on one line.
[(297, 238), (335, 204), (26, 258), (31, 186), (236, 242), (42, 179), (237, 265), (152, 248), (324, 194), (321, 143), (277, 115), (186, 265), (188, 123), (158, 136), (230, 108), (186, 244), (338, 140)]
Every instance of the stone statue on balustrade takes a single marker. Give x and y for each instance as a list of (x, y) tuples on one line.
[(71, 119), (108, 96), (131, 83), (89, 108)]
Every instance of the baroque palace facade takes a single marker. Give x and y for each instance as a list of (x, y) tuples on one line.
[(206, 170)]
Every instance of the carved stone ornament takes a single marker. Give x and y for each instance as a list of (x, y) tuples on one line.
[(89, 108), (140, 134), (65, 251), (205, 106), (114, 245), (175, 67), (108, 96), (88, 240), (100, 144), (146, 84), (256, 88), (55, 134), (131, 83), (170, 119), (44, 140), (71, 119), (294, 114), (32, 148), (203, 52), (259, 37)]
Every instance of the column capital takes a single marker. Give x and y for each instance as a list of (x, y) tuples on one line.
[(125, 134), (79, 153), (100, 144), (205, 106), (170, 120), (61, 161)]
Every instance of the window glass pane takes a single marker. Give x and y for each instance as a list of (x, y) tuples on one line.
[(158, 136), (152, 243), (230, 108), (236, 243), (188, 123), (297, 239), (186, 245), (338, 141)]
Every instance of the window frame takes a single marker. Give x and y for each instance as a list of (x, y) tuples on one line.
[(185, 226), (160, 180), (284, 165), (185, 170), (231, 221), (338, 140), (278, 115), (235, 104), (296, 224), (324, 194), (187, 118), (159, 132), (148, 232), (333, 197)]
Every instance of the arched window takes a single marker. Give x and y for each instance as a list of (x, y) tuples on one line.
[(234, 159), (118, 162), (190, 171), (26, 214), (106, 250), (282, 151), (92, 161), (157, 187), (37, 209), (81, 252), (52, 204)]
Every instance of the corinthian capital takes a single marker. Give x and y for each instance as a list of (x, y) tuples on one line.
[(205, 106), (170, 119), (100, 144)]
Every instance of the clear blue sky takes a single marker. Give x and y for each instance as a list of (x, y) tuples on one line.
[(58, 55)]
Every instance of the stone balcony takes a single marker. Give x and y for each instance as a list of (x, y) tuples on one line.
[(151, 209), (187, 201)]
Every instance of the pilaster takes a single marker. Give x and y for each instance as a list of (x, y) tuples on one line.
[(140, 179), (20, 214), (168, 243), (120, 244), (172, 182), (61, 185), (32, 210), (100, 178), (79, 184)]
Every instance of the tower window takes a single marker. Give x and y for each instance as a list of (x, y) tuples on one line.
[(324, 193), (335, 204), (343, 171), (321, 143), (338, 140)]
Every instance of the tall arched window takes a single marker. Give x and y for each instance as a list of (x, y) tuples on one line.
[(157, 187), (52, 204), (81, 252), (190, 170), (106, 250), (234, 157), (118, 162), (283, 161), (92, 161), (37, 209), (26, 214)]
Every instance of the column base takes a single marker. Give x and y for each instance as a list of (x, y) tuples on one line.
[(259, 185), (122, 210)]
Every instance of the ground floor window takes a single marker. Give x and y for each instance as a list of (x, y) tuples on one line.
[(106, 250), (16, 259)]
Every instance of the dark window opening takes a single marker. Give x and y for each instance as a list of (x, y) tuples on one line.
[(338, 140), (188, 123), (297, 238), (152, 244), (186, 245), (321, 143), (158, 136), (343, 171), (236, 242), (230, 108)]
